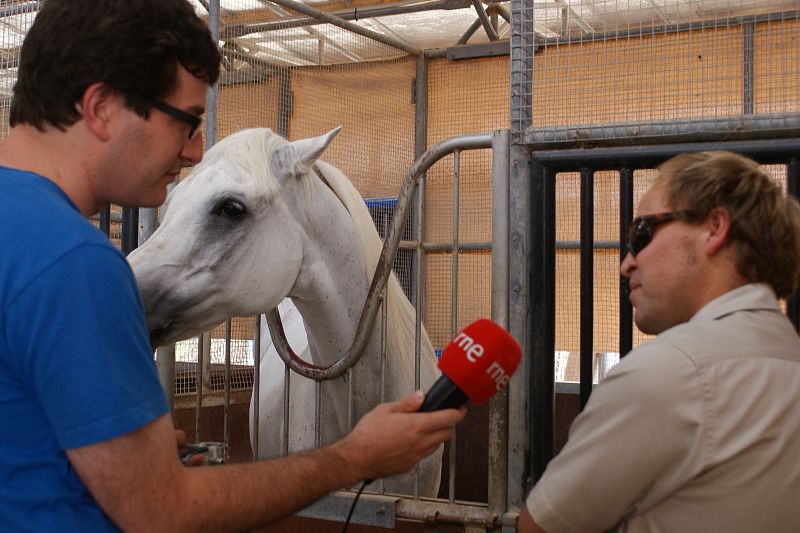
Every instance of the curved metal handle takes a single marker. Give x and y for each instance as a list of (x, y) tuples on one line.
[(382, 270)]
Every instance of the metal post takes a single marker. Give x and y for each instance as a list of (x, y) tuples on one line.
[(211, 100), (520, 321), (256, 385), (587, 284), (499, 404), (625, 217)]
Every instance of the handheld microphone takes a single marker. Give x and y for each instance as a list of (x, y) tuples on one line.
[(476, 365)]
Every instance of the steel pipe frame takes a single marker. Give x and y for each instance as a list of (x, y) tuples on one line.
[(742, 127), (344, 24), (349, 14)]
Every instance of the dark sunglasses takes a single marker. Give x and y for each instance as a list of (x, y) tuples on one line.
[(193, 121), (640, 232)]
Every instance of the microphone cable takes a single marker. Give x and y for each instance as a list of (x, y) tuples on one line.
[(353, 506)]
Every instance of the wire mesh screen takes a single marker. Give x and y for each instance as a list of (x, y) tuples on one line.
[(468, 96), (599, 66)]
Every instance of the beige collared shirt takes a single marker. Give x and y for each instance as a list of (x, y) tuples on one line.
[(697, 430)]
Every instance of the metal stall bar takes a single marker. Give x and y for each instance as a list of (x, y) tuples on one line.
[(454, 306), (625, 217), (587, 284), (541, 386), (499, 409), (256, 385), (227, 387), (521, 212), (349, 26), (695, 130), (793, 188)]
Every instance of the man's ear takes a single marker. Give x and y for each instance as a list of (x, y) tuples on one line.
[(98, 107), (718, 224)]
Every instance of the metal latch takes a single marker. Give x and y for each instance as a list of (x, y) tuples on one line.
[(214, 453)]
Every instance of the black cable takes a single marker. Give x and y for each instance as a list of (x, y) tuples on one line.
[(353, 506)]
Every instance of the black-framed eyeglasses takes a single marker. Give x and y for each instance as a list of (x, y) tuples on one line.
[(640, 232), (193, 121)]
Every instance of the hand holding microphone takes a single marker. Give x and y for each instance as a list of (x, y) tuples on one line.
[(475, 365)]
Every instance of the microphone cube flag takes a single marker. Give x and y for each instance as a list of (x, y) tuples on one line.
[(481, 359)]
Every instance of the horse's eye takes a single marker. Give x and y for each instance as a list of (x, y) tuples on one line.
[(231, 209)]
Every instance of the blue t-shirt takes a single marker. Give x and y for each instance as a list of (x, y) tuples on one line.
[(76, 367)]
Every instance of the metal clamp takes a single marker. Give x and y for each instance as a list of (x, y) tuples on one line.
[(214, 453)]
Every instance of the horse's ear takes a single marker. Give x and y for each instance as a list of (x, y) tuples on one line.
[(298, 156)]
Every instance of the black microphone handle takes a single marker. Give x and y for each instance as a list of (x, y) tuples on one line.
[(443, 395)]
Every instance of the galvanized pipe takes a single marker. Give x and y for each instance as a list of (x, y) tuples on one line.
[(234, 31), (349, 26), (586, 284), (744, 127), (498, 405), (256, 385), (485, 22)]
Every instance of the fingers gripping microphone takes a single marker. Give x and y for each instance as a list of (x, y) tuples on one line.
[(475, 366)]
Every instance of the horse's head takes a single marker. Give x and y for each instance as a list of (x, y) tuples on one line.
[(231, 239)]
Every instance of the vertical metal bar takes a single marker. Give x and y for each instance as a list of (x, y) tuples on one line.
[(521, 264), (199, 387), (454, 254), (793, 188), (285, 101), (227, 386), (420, 300), (499, 404), (748, 42), (625, 217), (454, 301), (129, 238), (105, 220), (256, 387), (542, 304), (384, 347), (317, 408), (211, 99), (587, 283), (287, 383), (420, 146)]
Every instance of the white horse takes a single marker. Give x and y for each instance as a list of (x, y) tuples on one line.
[(260, 219)]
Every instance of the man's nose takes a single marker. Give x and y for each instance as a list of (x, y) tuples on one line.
[(192, 151), (628, 265)]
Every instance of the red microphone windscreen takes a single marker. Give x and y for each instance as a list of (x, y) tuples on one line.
[(481, 359)]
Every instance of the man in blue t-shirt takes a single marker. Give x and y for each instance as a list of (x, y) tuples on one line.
[(107, 109)]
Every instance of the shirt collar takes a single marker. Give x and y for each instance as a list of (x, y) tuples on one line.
[(750, 297)]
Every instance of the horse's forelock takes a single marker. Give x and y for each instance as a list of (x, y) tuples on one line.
[(250, 151)]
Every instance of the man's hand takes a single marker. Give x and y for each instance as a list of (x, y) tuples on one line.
[(393, 437), (180, 439)]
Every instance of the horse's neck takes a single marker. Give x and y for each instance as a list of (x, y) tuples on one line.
[(331, 286)]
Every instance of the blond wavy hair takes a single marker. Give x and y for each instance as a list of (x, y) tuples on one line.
[(765, 223)]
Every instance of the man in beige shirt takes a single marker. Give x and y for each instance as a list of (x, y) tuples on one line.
[(699, 429)]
